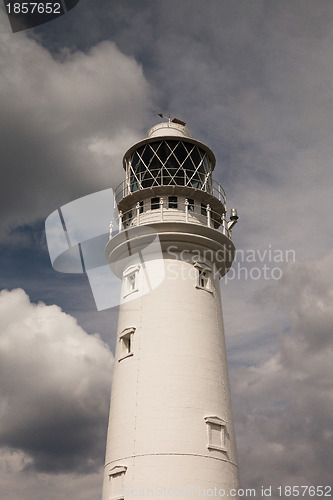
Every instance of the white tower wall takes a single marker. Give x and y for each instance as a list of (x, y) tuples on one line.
[(176, 376)]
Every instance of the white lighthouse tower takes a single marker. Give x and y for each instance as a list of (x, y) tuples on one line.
[(171, 430)]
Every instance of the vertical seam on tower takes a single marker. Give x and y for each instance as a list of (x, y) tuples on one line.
[(137, 387), (221, 329)]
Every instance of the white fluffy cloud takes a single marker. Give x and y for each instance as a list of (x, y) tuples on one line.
[(55, 385)]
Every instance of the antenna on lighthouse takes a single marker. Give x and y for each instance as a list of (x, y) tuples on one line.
[(165, 118), (174, 120)]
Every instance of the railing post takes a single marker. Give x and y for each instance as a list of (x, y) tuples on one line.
[(186, 210), (161, 208), (223, 223), (208, 215), (137, 213), (110, 230), (120, 220)]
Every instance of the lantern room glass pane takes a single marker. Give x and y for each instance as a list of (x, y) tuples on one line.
[(146, 155), (195, 156), (180, 152), (135, 159)]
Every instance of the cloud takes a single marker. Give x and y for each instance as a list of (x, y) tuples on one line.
[(19, 482), (66, 120), (55, 385), (41, 485), (283, 406)]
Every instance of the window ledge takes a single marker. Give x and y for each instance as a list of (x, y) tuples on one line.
[(126, 356), (129, 293), (204, 288), (218, 448)]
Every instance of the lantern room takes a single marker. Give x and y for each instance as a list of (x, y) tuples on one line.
[(169, 157)]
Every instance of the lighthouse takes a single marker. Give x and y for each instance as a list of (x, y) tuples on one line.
[(171, 429)]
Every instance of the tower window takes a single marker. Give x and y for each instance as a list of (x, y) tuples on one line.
[(203, 277), (216, 433), (203, 209), (140, 207), (190, 205), (126, 341), (155, 203), (116, 478), (130, 284), (172, 202)]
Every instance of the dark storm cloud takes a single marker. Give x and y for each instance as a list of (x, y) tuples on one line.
[(284, 405), (65, 123), (55, 384), (250, 80)]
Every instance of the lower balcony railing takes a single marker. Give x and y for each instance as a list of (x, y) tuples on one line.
[(166, 211)]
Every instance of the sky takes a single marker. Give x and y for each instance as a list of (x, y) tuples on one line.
[(253, 81)]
